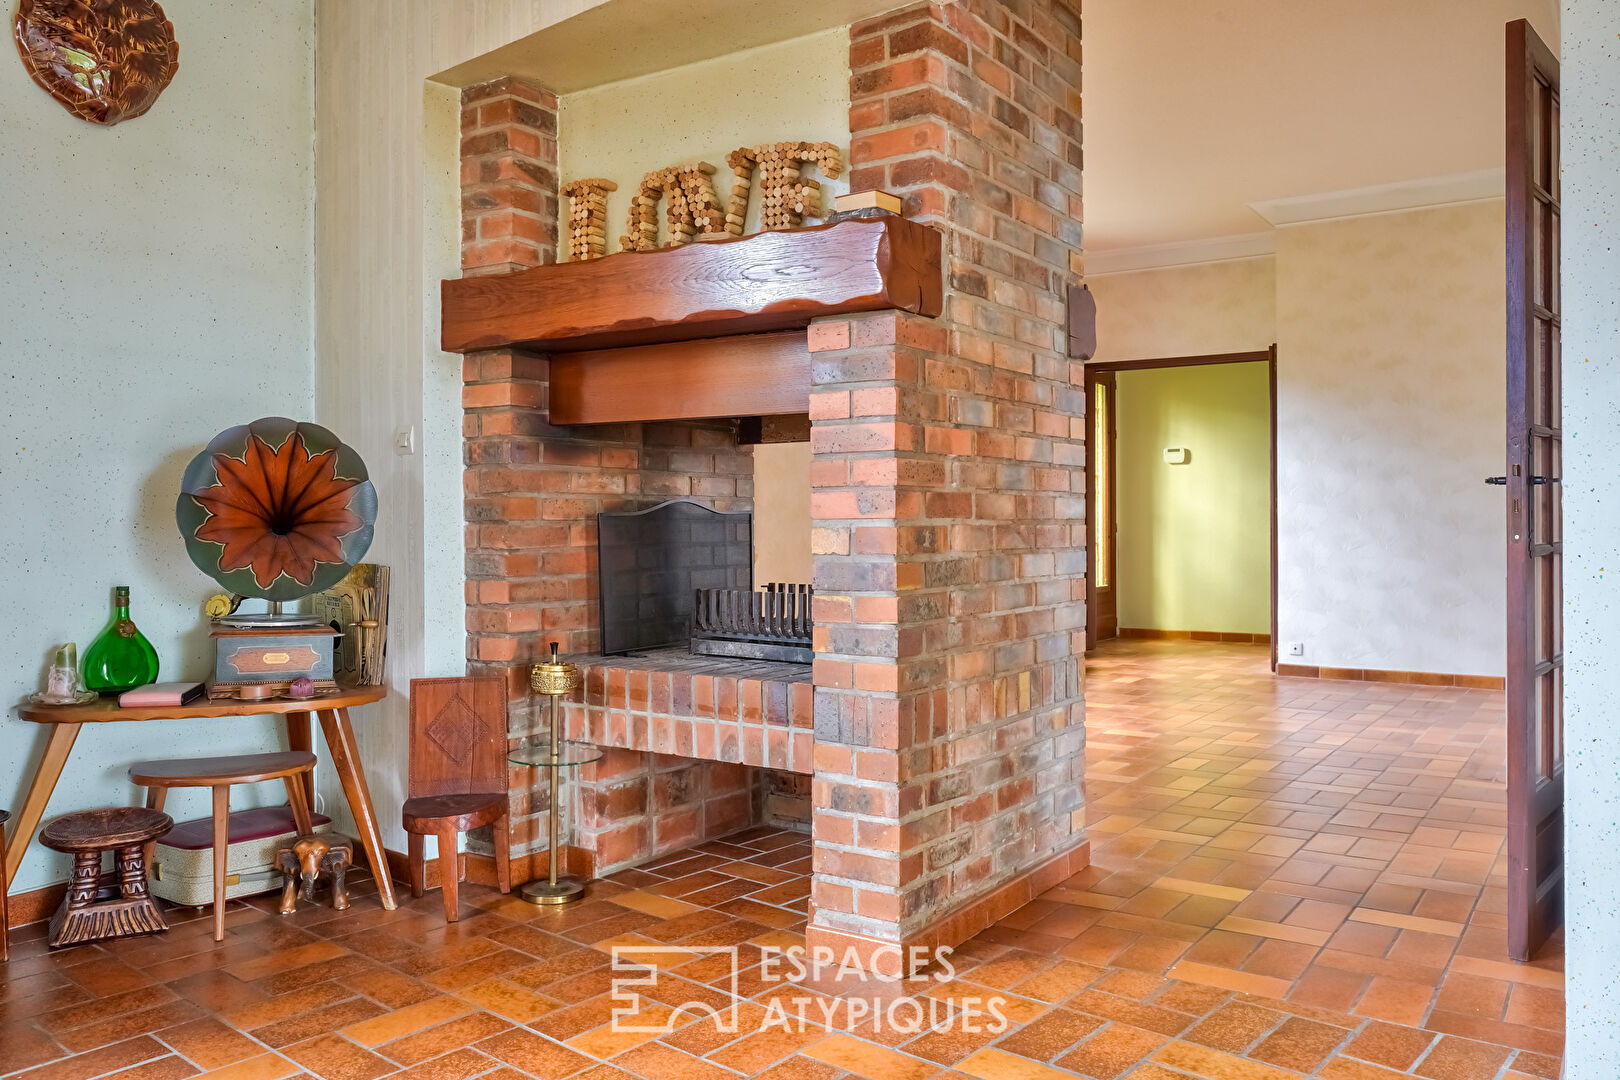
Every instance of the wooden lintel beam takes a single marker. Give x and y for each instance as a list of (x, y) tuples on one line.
[(749, 375)]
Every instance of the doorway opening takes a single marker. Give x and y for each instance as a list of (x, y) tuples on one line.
[(1181, 499)]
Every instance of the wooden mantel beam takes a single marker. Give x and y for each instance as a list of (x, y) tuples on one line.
[(771, 281)]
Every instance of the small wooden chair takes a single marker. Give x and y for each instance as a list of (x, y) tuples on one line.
[(219, 773), (458, 777)]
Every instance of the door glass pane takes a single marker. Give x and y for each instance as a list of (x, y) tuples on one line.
[(1553, 179), (1555, 499), (1542, 582), (1555, 375), (1553, 295), (1538, 121), (1102, 536), (1549, 739), (1556, 678), (1555, 607), (1535, 411), (1538, 253), (1546, 363), (1541, 493)]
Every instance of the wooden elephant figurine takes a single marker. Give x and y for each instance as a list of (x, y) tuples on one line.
[(303, 861)]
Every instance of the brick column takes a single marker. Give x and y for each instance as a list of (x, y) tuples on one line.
[(508, 177), (877, 685), (948, 495)]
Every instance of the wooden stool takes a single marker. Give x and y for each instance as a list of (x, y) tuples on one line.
[(87, 835), (5, 816), (220, 773)]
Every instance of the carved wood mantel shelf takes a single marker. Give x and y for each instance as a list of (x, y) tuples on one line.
[(658, 335)]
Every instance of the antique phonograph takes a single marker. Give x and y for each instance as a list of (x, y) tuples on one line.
[(277, 510)]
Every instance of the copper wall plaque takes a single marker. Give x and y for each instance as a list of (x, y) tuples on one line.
[(104, 60)]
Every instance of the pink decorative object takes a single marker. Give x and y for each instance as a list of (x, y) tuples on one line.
[(301, 687)]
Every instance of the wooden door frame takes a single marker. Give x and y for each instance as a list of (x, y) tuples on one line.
[(1094, 612), (1267, 357), (1534, 800)]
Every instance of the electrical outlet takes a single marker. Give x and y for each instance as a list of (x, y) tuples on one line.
[(1296, 648)]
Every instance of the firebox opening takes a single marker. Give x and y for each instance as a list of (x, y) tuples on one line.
[(680, 573)]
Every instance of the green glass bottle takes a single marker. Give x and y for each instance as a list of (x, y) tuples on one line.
[(121, 658)]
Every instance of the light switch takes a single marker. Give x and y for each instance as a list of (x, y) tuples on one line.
[(1176, 455), (405, 440)]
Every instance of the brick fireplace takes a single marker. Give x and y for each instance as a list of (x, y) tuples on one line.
[(934, 746)]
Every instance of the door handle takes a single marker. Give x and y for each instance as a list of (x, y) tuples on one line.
[(1496, 481), (1544, 479)]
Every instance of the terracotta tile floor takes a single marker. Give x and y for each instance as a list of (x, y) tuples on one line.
[(1291, 877)]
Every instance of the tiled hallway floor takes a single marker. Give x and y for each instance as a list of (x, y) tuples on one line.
[(1290, 878)]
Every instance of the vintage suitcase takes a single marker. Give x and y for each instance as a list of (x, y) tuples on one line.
[(183, 868)]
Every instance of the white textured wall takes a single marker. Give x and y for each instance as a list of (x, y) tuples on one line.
[(1591, 277), (157, 278), (1186, 310), (791, 90), (1390, 391), (1390, 394), (387, 231)]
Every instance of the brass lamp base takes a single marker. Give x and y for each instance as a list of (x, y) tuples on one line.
[(565, 891)]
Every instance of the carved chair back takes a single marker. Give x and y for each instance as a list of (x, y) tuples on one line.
[(458, 736)]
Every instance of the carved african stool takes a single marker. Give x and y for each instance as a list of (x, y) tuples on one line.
[(305, 859), (99, 904)]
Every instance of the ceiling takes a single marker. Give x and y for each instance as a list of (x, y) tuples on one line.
[(622, 39), (1196, 108)]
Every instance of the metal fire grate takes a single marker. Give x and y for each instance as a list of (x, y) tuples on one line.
[(772, 624)]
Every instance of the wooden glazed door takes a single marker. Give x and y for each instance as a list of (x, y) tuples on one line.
[(1535, 660), (1102, 606)]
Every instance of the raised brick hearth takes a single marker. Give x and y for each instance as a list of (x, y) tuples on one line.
[(940, 729), (703, 746), (751, 712)]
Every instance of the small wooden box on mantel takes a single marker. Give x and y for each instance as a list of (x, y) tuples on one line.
[(267, 659)]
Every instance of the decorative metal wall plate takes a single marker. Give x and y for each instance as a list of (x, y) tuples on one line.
[(104, 60), (276, 509)]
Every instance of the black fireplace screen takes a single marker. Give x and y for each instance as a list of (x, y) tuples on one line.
[(651, 562)]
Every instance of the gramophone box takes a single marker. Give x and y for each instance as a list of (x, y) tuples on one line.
[(266, 659)]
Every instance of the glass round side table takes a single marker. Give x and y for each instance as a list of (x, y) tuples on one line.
[(542, 753)]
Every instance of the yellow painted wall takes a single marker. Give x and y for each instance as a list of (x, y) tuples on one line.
[(782, 512), (795, 89), (1194, 539)]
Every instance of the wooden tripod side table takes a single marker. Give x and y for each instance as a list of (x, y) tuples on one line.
[(65, 721)]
